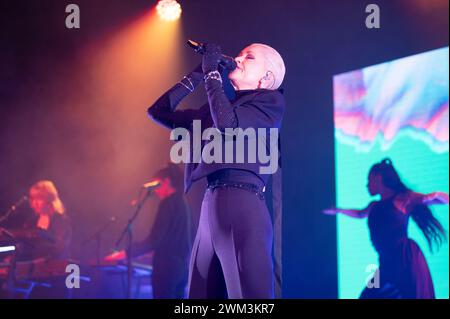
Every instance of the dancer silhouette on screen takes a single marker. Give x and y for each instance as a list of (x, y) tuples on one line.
[(403, 271)]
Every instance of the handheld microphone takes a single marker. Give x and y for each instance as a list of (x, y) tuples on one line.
[(225, 62)]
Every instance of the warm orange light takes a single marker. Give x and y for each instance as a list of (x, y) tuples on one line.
[(128, 70), (168, 10)]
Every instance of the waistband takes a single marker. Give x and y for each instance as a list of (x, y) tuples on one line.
[(235, 175), (237, 179)]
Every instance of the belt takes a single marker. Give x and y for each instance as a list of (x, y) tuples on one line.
[(259, 191)]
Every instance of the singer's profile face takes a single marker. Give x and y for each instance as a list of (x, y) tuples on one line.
[(251, 68)]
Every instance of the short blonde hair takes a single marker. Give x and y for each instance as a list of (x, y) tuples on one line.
[(276, 64), (47, 190)]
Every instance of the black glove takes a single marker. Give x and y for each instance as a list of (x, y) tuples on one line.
[(211, 58), (197, 74)]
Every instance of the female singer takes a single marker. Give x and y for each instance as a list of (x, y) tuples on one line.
[(231, 256)]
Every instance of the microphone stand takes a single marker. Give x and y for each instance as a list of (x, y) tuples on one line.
[(13, 208), (128, 232), (98, 238)]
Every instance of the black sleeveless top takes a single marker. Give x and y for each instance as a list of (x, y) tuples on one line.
[(387, 225)]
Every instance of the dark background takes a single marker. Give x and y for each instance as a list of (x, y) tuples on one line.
[(56, 124)]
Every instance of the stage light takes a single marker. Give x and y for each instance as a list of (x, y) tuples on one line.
[(168, 10)]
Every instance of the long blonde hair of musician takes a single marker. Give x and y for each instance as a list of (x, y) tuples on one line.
[(46, 189)]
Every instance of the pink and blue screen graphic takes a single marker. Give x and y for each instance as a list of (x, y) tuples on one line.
[(397, 109)]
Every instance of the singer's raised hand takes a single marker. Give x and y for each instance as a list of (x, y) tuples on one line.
[(211, 58), (196, 74)]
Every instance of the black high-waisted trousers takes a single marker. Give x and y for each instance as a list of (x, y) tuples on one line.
[(232, 252)]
